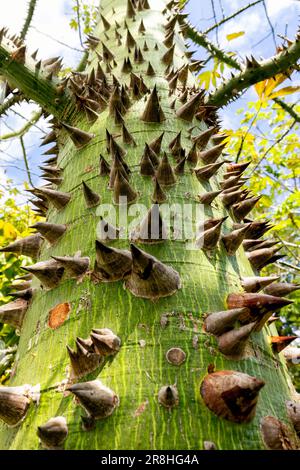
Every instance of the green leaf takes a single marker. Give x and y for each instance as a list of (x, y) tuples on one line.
[(204, 78), (73, 24)]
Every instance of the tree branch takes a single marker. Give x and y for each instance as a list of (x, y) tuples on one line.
[(23, 129), (201, 40), (287, 108), (228, 18), (26, 119), (57, 40), (28, 19), (16, 167), (8, 103), (215, 20), (25, 160), (36, 87), (273, 145), (221, 8), (297, 268), (246, 133), (83, 62), (256, 73), (79, 24), (291, 252), (270, 23), (276, 180)]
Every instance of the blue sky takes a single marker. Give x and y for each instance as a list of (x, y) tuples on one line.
[(51, 24), (257, 40)]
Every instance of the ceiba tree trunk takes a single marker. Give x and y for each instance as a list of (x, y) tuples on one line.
[(166, 388)]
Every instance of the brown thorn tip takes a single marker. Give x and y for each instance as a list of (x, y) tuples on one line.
[(75, 266), (281, 289), (158, 195), (92, 199), (27, 246), (80, 138), (150, 278), (281, 342), (165, 174), (234, 341), (168, 396), (123, 192), (14, 404), (256, 283), (57, 198), (188, 110), (112, 264), (105, 342), (13, 313), (231, 395), (53, 433), (257, 303), (153, 111), (209, 237), (276, 435), (218, 323), (98, 401), (48, 272), (151, 229)]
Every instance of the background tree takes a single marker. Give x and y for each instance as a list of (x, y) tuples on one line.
[(14, 223), (165, 355)]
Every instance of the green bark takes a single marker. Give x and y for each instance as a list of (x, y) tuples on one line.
[(28, 19), (140, 369), (34, 85), (201, 40), (258, 72)]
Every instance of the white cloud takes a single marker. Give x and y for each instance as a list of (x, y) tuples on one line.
[(227, 120), (255, 25), (249, 24), (233, 4), (276, 7), (52, 18)]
